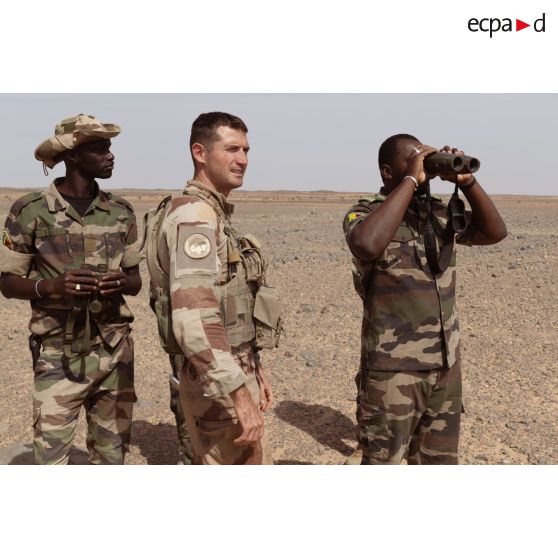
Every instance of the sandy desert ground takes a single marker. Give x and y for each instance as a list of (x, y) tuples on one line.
[(508, 305)]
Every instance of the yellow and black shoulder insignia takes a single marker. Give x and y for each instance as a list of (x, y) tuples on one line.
[(7, 241)]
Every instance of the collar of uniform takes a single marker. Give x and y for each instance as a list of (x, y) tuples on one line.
[(411, 209), (418, 206), (56, 202), (228, 207), (421, 197), (101, 201)]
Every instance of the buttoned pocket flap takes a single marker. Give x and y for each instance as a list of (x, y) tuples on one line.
[(49, 231)]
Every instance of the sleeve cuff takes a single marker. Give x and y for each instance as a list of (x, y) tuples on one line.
[(14, 262), (214, 389), (131, 257)]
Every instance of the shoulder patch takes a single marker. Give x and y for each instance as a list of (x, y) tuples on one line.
[(7, 241), (197, 246), (196, 251)]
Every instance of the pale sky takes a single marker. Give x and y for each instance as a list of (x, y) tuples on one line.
[(298, 141)]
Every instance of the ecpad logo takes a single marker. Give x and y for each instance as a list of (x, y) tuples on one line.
[(494, 24)]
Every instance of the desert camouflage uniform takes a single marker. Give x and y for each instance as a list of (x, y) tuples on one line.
[(212, 368), (409, 383), (86, 357), (185, 450)]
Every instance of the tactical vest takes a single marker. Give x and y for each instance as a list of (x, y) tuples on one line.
[(250, 309)]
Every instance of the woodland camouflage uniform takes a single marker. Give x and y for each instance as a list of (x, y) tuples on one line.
[(87, 352), (409, 382)]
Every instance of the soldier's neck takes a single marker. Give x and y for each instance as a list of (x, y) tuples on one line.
[(76, 185), (200, 176)]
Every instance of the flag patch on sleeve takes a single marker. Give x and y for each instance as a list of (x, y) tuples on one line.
[(7, 241)]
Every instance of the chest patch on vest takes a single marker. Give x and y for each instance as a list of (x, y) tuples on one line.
[(197, 246), (7, 241)]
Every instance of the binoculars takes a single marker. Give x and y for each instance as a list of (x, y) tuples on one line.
[(450, 163)]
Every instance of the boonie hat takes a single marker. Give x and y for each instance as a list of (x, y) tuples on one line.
[(72, 132)]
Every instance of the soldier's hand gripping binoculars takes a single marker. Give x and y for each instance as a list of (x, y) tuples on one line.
[(450, 163)]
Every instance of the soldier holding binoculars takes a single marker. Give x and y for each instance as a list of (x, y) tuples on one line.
[(403, 244)]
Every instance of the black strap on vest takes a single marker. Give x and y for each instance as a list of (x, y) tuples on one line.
[(438, 263)]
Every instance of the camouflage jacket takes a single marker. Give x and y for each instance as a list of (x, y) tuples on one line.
[(410, 318), (192, 250), (45, 236)]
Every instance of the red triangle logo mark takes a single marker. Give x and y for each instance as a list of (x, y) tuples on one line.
[(519, 25)]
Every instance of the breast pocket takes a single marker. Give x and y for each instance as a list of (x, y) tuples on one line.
[(104, 250), (53, 246), (400, 252), (115, 248)]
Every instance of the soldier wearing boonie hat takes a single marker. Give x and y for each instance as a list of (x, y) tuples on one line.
[(70, 133), (71, 251)]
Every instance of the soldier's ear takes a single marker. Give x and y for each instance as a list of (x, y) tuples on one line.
[(69, 156), (198, 153), (386, 172)]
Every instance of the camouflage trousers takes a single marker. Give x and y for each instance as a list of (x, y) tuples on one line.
[(213, 424), (409, 414), (185, 450), (102, 382)]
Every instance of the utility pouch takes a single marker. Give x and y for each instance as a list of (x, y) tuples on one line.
[(35, 343), (267, 318), (162, 310), (252, 259)]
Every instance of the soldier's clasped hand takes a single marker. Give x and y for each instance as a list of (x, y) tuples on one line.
[(73, 282), (113, 282)]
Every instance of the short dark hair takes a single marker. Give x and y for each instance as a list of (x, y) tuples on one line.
[(388, 149), (204, 127)]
